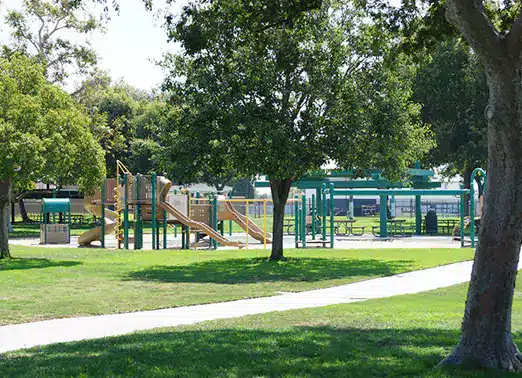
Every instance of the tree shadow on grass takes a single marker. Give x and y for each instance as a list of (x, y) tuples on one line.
[(244, 271), (33, 263), (242, 352)]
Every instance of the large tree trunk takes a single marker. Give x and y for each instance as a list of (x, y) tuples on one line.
[(280, 190), (5, 199), (486, 340)]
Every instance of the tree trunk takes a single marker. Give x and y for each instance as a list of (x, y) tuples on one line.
[(280, 190), (486, 340), (5, 199), (23, 212)]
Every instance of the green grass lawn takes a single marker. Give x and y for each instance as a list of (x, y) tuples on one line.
[(404, 336), (44, 283)]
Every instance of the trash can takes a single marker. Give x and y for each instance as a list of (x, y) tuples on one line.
[(431, 222)]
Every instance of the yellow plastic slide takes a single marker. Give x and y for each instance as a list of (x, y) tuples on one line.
[(254, 230), (96, 233), (198, 226), (165, 185)]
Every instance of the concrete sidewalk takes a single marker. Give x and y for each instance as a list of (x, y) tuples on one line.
[(27, 335)]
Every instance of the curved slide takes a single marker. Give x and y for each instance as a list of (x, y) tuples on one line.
[(198, 226), (253, 229), (95, 234), (165, 185)]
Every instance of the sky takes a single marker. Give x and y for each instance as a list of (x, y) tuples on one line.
[(134, 39)]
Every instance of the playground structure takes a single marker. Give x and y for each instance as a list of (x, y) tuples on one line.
[(148, 198), (140, 198), (52, 231)]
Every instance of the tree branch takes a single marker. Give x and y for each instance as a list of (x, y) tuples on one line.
[(514, 37), (469, 17)]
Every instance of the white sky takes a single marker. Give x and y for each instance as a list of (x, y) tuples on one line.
[(133, 40)]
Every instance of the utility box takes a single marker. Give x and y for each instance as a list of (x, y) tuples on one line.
[(54, 234), (431, 222)]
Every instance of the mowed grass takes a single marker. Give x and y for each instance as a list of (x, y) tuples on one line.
[(404, 336), (45, 283)]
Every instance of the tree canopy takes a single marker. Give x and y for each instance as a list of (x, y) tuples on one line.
[(127, 121), (38, 29), (451, 86), (45, 135), (285, 99)]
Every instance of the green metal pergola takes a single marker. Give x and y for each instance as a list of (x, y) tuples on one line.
[(419, 179), (418, 193)]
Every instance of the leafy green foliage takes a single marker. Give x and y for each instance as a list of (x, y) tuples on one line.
[(38, 29), (285, 99), (127, 121), (452, 87), (45, 134)]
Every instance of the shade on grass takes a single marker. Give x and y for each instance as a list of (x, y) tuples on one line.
[(394, 337), (42, 283)]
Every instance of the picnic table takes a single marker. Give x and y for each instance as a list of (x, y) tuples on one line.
[(344, 227), (447, 225), (395, 228), (393, 224)]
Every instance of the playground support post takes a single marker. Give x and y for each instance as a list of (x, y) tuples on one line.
[(164, 229), (313, 216), (103, 192), (296, 223), (303, 220), (215, 221), (324, 210), (265, 223), (246, 216), (137, 220), (154, 211), (126, 210), (383, 219), (418, 215), (332, 214), (462, 206)]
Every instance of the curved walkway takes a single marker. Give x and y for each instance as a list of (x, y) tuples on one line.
[(28, 335)]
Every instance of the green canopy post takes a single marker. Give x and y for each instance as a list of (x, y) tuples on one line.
[(324, 210), (332, 214), (476, 172), (462, 206), (383, 219), (313, 216), (303, 221)]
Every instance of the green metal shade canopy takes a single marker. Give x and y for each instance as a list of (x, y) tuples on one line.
[(56, 205)]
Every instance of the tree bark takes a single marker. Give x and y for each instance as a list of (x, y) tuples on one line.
[(486, 340), (5, 199), (280, 190)]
